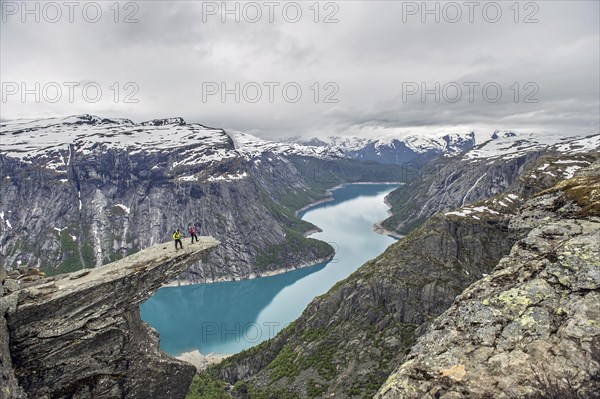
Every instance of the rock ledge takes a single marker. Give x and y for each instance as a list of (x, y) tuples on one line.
[(80, 335)]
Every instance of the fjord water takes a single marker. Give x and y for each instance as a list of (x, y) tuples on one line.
[(228, 317)]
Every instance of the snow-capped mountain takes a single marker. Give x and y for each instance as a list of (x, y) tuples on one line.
[(51, 142), (508, 144), (396, 150), (47, 140)]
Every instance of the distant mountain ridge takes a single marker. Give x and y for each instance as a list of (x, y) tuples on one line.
[(470, 145), (484, 171), (87, 131), (200, 144), (395, 150)]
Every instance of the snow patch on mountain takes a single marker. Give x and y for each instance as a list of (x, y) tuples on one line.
[(226, 177), (508, 145), (472, 211), (586, 144)]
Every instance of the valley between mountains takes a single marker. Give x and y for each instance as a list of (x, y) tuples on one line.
[(491, 292)]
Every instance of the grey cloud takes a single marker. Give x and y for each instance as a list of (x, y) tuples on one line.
[(171, 52)]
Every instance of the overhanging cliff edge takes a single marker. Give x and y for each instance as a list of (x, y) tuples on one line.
[(80, 334)]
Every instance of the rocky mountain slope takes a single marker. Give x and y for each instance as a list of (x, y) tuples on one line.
[(484, 171), (348, 341), (83, 191), (532, 326), (80, 335)]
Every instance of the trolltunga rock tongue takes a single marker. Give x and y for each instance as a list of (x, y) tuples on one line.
[(80, 334)]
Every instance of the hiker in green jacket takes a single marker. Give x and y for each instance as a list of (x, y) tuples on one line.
[(177, 238)]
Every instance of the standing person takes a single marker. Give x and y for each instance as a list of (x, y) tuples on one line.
[(193, 234), (177, 238)]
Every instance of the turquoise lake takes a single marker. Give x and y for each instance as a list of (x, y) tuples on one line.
[(228, 317)]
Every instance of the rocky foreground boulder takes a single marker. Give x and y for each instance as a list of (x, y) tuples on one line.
[(531, 328), (80, 335)]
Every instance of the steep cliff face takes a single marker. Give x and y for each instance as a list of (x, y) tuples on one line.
[(532, 327), (79, 335), (9, 386)]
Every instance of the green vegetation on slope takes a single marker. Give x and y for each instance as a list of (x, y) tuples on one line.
[(583, 190), (206, 387), (296, 245)]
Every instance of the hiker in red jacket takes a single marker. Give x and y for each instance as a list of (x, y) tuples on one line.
[(193, 232)]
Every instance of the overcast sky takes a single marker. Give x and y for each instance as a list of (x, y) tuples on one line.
[(370, 62)]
